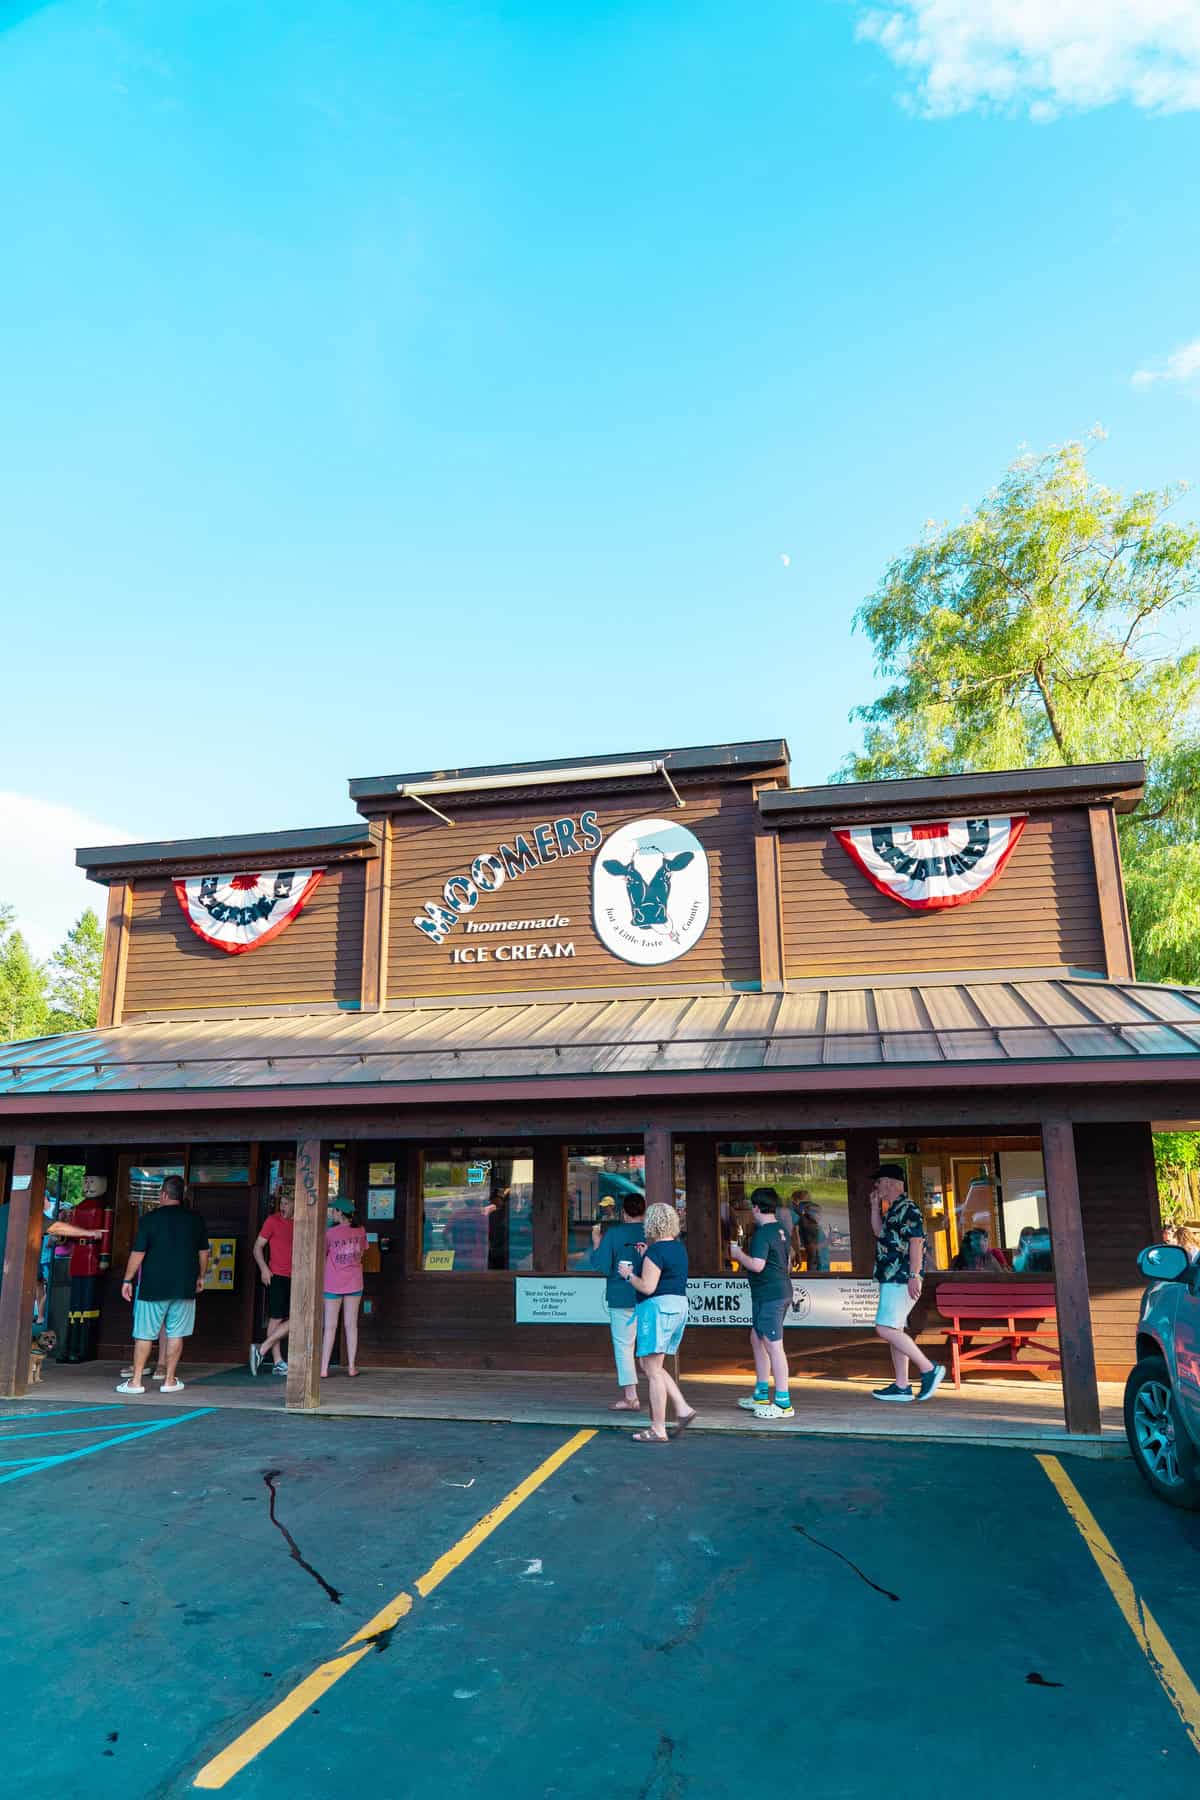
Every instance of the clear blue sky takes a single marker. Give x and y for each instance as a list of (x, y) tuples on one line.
[(393, 385)]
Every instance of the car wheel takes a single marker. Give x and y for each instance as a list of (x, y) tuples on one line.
[(1160, 1445)]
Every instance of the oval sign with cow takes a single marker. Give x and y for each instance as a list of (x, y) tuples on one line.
[(650, 891)]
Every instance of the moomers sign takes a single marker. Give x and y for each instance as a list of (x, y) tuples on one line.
[(650, 888)]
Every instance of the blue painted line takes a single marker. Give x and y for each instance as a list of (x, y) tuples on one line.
[(52, 1462), (12, 1437), (63, 1412)]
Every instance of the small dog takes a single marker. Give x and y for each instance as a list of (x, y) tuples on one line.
[(42, 1346)]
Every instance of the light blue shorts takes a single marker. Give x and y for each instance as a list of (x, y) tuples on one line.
[(660, 1323), (895, 1304), (149, 1317)]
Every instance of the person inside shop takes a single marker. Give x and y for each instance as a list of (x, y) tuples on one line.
[(468, 1231), (612, 1244), (899, 1229), (975, 1255), (1032, 1255), (812, 1238), (273, 1254), (766, 1263), (662, 1310), (345, 1247)]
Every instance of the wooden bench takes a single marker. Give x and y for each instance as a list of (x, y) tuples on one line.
[(997, 1314)]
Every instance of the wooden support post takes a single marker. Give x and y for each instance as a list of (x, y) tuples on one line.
[(770, 912), (703, 1205), (1081, 1397), (862, 1159), (22, 1248), (1110, 889), (376, 910), (660, 1167), (549, 1208), (308, 1271), (111, 1008)]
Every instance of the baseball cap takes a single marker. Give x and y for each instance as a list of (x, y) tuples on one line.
[(890, 1172), (342, 1204)]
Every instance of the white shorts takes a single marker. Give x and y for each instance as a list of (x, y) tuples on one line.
[(895, 1304)]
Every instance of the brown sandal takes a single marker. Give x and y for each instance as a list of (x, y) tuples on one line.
[(681, 1425), (648, 1437), (626, 1406)]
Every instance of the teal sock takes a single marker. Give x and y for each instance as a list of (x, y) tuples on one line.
[(761, 1390), (783, 1399)]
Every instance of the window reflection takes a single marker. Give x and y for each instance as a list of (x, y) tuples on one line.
[(809, 1178), (476, 1209)]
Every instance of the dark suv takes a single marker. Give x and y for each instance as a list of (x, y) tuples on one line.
[(1162, 1395)]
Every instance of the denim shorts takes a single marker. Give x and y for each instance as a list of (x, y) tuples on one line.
[(660, 1323), (895, 1304), (768, 1317)]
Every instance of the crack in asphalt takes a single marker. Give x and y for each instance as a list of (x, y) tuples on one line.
[(886, 1592), (271, 1476)]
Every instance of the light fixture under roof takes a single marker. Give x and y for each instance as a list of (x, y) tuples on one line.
[(473, 784)]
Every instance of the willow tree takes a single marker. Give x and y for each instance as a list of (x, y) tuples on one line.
[(1054, 625)]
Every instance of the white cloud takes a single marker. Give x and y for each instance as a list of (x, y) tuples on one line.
[(1040, 57), (1182, 365), (38, 877)]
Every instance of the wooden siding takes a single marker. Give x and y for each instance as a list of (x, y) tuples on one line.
[(317, 959), (1042, 912), (1119, 1202), (427, 854)]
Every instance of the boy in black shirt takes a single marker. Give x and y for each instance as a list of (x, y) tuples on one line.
[(767, 1264)]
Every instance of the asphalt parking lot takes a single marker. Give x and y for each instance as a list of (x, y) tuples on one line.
[(842, 1618)]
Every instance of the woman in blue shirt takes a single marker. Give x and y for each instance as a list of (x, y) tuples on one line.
[(661, 1287)]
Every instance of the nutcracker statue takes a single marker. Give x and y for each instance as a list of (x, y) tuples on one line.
[(88, 1258)]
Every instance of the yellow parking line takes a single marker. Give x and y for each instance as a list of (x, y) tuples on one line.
[(1170, 1672), (230, 1761)]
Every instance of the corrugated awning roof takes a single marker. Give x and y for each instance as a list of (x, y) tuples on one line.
[(915, 1030)]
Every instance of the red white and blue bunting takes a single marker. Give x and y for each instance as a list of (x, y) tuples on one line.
[(931, 866), (240, 912)]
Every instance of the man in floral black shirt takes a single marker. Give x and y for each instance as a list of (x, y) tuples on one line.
[(899, 1257)]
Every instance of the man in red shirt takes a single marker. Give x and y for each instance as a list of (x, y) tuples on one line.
[(274, 1241), (83, 1316)]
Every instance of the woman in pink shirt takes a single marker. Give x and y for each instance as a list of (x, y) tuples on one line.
[(345, 1242)]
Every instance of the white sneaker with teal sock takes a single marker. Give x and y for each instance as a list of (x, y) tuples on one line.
[(779, 1408), (760, 1397)]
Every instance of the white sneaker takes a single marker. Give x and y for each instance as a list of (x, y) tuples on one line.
[(750, 1404), (158, 1375), (172, 1387), (769, 1409), (279, 1368), (127, 1387)]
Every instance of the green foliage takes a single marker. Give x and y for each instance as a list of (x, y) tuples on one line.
[(64, 1181), (73, 975), (1047, 628), (22, 999), (1176, 1159), (39, 1000)]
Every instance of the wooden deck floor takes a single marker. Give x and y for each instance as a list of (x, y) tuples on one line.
[(1020, 1414)]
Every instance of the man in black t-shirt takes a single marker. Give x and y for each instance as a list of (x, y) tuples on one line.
[(170, 1253), (767, 1263)]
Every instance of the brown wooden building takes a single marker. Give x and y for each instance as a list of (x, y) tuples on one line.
[(506, 993)]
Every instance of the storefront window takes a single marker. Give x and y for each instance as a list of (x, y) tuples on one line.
[(146, 1179), (985, 1209), (809, 1179), (476, 1209), (599, 1178)]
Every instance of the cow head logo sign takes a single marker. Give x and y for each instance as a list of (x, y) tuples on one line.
[(650, 891)]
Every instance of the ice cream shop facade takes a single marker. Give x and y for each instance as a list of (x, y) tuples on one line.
[(504, 997)]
